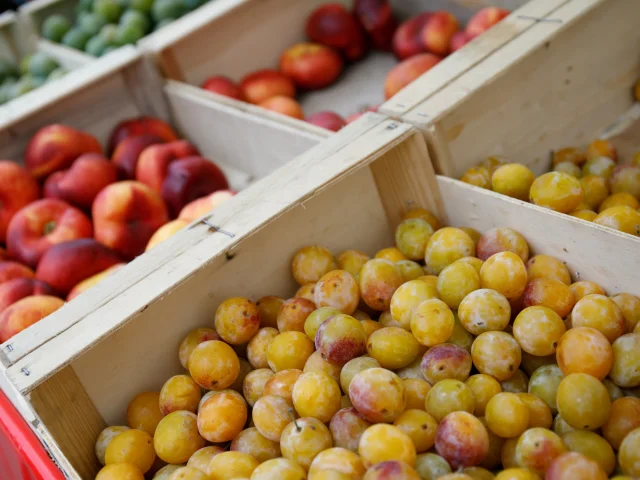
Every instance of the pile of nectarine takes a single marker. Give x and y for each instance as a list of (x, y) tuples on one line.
[(451, 355), (587, 184), (72, 216), (338, 37)]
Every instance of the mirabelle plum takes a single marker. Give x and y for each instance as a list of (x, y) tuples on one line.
[(601, 147), (370, 326), (531, 362), (432, 322), (550, 293), (200, 459), (517, 474), (614, 391), (378, 394), (483, 387), (629, 453), (392, 347), (622, 218), (337, 289), (584, 287), (416, 390), (556, 190), (619, 199), (583, 401), (419, 426), (537, 448), (484, 310), (513, 180), (387, 320), (569, 154), (237, 320), (279, 469), (392, 254), (601, 166), (449, 396), (352, 261), (253, 384), (252, 442), (493, 458), (626, 178), (601, 313), (478, 473), (626, 359), (425, 215), (585, 350), (445, 247), (120, 471), (289, 350), (507, 416), (271, 414), (574, 465), (391, 469), (316, 395), (544, 384), (593, 446), (329, 475), (497, 354), (516, 383), (462, 440), (315, 363), (460, 336), (538, 330), (504, 272), (310, 263), (587, 215), (456, 281), (407, 297), (214, 365), (230, 465), (177, 437), (104, 439), (431, 466), (340, 338), (596, 189), (192, 340), (303, 439), (382, 442), (346, 427), (630, 306), (180, 392), (293, 314), (412, 236), (222, 416), (352, 367), (282, 383), (306, 291), (502, 239), (258, 346), (379, 279), (144, 412), (545, 266), (339, 459), (474, 234), (446, 361), (410, 270), (624, 417), (269, 307), (508, 454), (539, 412), (477, 176), (315, 319)]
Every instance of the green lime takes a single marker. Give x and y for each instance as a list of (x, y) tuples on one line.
[(56, 74), (128, 34), (143, 6), (163, 9), (190, 5), (95, 46), (109, 9), (8, 70), (91, 23), (135, 18), (55, 27), (41, 65), (76, 38), (163, 23)]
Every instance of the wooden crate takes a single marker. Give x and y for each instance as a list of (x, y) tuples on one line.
[(95, 100), (227, 40), (564, 83), (371, 172)]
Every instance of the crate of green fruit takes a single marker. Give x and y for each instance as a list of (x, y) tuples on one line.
[(96, 27)]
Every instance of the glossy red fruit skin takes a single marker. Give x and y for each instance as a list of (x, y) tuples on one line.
[(334, 26), (378, 21), (407, 39)]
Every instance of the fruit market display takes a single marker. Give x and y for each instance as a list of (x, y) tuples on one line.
[(100, 26), (452, 355), (34, 70), (589, 184), (337, 38), (77, 212)]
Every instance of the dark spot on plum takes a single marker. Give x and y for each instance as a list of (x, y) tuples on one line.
[(511, 368), (424, 426)]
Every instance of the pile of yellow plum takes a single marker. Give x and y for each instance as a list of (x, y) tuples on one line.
[(452, 355), (585, 184)]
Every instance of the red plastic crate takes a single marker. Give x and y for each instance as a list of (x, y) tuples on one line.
[(22, 456)]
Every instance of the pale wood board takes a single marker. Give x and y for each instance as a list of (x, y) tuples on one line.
[(69, 58), (260, 200), (624, 133), (8, 45), (554, 86)]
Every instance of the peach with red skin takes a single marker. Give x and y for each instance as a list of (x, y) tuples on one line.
[(66, 264), (283, 105), (438, 31), (42, 224), (407, 71), (223, 86), (80, 184), (19, 288), (93, 280), (311, 66), (189, 179), (125, 216), (26, 312), (154, 161), (140, 126), (17, 189), (459, 40), (378, 20), (407, 39), (329, 120), (201, 206), (484, 19), (264, 84), (125, 156), (334, 26), (10, 270)]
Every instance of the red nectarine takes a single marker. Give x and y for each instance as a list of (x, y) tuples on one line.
[(438, 31), (329, 120), (334, 26), (200, 207), (284, 105), (484, 19), (154, 161), (25, 313), (17, 189), (378, 20), (407, 71), (91, 281), (10, 270), (311, 65), (459, 40), (19, 288), (407, 39), (263, 84), (141, 126), (223, 86), (125, 157)]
